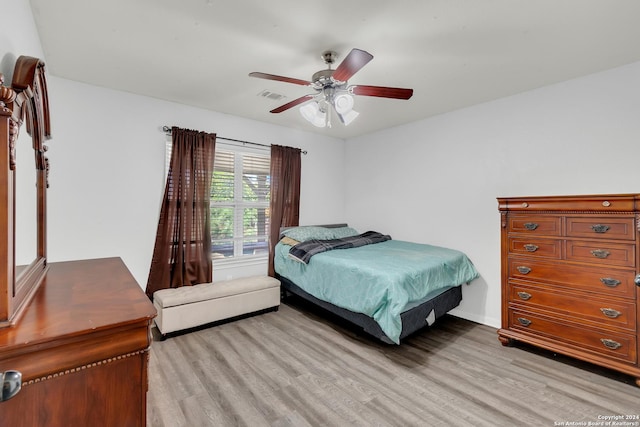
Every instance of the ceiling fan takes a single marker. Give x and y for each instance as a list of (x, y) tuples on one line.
[(332, 90)]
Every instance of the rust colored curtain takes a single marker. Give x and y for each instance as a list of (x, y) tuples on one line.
[(182, 252), (285, 194)]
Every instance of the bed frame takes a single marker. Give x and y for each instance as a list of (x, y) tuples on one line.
[(435, 306), (414, 319)]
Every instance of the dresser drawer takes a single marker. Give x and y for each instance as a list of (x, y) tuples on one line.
[(601, 228), (549, 248), (605, 253), (601, 204), (607, 281), (607, 312), (535, 225), (611, 344)]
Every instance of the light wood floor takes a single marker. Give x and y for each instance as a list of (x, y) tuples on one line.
[(295, 368)]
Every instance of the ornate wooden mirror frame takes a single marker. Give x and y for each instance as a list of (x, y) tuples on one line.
[(26, 101)]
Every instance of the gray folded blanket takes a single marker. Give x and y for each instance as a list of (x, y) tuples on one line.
[(303, 251)]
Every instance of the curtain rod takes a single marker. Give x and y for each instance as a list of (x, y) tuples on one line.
[(167, 130)]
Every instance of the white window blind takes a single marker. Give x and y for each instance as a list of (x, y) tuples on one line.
[(240, 194)]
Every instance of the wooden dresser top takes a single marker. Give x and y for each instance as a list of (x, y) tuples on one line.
[(79, 298), (588, 203)]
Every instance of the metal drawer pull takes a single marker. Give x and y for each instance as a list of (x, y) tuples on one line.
[(610, 312), (612, 283), (613, 345), (530, 225), (525, 322), (11, 384), (523, 270), (530, 248), (524, 295), (600, 228), (600, 253)]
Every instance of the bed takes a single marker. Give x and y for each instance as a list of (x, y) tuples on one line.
[(389, 288)]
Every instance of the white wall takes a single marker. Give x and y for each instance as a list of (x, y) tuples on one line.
[(107, 170), (439, 178)]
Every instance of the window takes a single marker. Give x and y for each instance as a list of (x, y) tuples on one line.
[(240, 194)]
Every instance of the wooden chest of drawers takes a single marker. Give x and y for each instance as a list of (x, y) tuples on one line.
[(570, 279)]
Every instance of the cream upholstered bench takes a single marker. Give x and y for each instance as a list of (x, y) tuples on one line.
[(191, 306)]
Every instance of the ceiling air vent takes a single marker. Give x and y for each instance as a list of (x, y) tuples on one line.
[(271, 95)]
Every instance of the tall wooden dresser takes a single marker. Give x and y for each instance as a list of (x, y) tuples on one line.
[(570, 279)]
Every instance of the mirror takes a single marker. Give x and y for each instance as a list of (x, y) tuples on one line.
[(26, 249), (24, 127)]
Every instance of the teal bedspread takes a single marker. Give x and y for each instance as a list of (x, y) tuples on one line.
[(378, 280)]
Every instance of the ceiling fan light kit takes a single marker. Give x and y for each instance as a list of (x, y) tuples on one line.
[(332, 91), (318, 111)]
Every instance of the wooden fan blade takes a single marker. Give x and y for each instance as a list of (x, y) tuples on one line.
[(382, 92), (355, 60), (280, 78), (293, 103)]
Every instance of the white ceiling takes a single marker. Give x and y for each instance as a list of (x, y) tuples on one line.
[(453, 53)]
